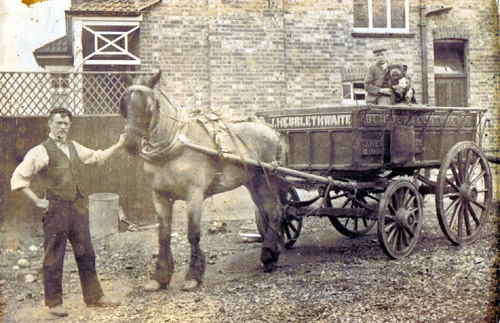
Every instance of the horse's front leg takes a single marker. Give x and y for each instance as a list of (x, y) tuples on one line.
[(197, 264), (165, 264)]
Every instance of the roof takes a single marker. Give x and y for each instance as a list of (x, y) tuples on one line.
[(55, 47), (56, 53), (110, 7)]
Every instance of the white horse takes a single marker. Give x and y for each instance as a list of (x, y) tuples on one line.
[(179, 172)]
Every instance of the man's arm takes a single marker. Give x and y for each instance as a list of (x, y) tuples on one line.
[(34, 160), (41, 203), (371, 85), (369, 81), (99, 157)]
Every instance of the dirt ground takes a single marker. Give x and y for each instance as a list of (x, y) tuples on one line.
[(325, 277)]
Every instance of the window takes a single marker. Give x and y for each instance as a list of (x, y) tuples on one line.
[(111, 44), (381, 16), (59, 81), (449, 57), (353, 92), (60, 90)]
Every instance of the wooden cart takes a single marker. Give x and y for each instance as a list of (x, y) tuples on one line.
[(370, 166)]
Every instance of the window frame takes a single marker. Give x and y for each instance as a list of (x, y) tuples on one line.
[(389, 29), (59, 82), (103, 39), (350, 99)]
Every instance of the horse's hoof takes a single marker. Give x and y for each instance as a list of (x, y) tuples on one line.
[(190, 285), (269, 268), (153, 286)]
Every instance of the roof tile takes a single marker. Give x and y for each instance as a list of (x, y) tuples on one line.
[(108, 5), (58, 46)]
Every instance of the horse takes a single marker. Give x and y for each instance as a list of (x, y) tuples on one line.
[(157, 130)]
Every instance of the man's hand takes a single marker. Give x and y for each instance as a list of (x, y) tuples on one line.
[(42, 203), (121, 140)]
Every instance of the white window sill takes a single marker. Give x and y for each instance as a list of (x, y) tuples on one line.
[(384, 33), (353, 102)]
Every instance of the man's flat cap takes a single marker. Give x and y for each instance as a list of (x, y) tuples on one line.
[(379, 50)]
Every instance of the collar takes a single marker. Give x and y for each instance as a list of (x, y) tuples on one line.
[(57, 140)]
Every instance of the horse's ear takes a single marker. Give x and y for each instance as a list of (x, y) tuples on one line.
[(151, 82), (123, 112), (405, 68), (127, 79)]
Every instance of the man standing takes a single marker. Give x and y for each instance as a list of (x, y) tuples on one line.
[(377, 80), (60, 163)]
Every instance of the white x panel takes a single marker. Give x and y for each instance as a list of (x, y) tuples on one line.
[(111, 47)]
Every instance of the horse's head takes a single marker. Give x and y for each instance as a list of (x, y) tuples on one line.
[(138, 106)]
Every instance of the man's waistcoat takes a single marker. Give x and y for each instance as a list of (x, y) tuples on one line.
[(62, 177)]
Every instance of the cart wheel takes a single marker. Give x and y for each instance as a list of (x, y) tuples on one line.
[(354, 226), (400, 217), (291, 225), (464, 193)]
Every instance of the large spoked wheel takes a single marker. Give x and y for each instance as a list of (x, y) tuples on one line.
[(351, 225), (464, 193), (400, 217), (291, 225)]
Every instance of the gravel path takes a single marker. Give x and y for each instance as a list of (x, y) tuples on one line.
[(325, 277)]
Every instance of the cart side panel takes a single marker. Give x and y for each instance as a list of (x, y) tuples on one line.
[(359, 138), (374, 146), (299, 148), (320, 148), (341, 148), (439, 133), (316, 141)]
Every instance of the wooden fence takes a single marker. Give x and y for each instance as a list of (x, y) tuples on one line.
[(25, 100)]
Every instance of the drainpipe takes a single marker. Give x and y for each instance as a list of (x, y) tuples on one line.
[(423, 35)]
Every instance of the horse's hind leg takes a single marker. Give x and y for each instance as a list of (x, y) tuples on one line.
[(197, 264), (165, 264), (266, 199)]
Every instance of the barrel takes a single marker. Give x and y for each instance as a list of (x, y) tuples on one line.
[(103, 214)]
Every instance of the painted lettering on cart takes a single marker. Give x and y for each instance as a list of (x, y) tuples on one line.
[(312, 121), (372, 147), (433, 121)]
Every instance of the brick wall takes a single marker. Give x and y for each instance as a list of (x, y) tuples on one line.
[(241, 56)]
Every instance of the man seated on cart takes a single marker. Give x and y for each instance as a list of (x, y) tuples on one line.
[(377, 80), (388, 84)]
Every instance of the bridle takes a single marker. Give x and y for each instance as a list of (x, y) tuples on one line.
[(150, 92), (153, 151)]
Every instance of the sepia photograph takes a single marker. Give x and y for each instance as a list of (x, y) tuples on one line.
[(329, 161)]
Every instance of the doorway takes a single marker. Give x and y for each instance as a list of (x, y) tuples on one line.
[(450, 73)]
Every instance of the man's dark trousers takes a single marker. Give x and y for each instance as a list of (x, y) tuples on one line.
[(68, 220)]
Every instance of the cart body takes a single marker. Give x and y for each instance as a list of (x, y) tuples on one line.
[(369, 158), (358, 138)]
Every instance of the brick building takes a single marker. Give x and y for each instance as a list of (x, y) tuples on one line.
[(242, 56)]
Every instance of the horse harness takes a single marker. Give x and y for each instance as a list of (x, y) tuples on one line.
[(211, 123), (159, 151)]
